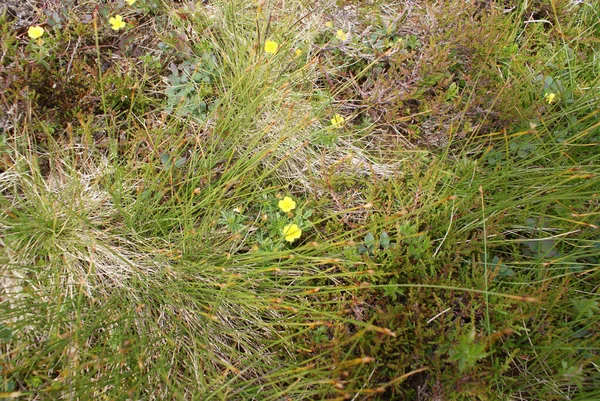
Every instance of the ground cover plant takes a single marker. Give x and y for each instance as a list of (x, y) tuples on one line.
[(290, 200)]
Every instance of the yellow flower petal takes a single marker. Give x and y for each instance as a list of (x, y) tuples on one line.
[(35, 32), (337, 120), (130, 2), (298, 52), (291, 232), (116, 22), (550, 97), (287, 204), (329, 24), (341, 35), (271, 46)]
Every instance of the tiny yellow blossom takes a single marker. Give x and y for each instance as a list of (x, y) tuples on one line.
[(287, 204), (130, 2), (271, 46), (35, 32), (291, 232), (116, 22), (298, 52), (341, 35), (329, 24), (550, 97), (337, 120)]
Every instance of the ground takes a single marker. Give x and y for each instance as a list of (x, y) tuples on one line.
[(440, 170)]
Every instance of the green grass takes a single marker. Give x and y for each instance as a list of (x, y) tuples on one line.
[(449, 246)]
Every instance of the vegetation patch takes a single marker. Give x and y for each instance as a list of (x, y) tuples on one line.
[(358, 200)]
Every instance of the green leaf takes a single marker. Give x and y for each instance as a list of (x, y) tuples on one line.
[(369, 240), (452, 91), (384, 240), (467, 352), (362, 249), (166, 161)]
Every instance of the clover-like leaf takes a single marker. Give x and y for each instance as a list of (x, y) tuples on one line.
[(165, 158), (369, 240), (384, 240), (362, 249)]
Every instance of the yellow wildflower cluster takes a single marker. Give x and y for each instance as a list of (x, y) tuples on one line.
[(291, 232), (341, 35)]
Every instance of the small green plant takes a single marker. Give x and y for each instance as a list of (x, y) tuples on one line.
[(413, 42), (466, 350), (233, 220), (275, 223), (501, 269), (452, 92), (370, 246), (320, 334), (168, 162), (418, 243), (191, 90)]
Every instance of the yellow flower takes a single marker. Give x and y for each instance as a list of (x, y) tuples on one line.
[(337, 120), (271, 46), (550, 97), (35, 32), (291, 232), (130, 2), (329, 24), (341, 35), (287, 204), (116, 22), (298, 52)]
